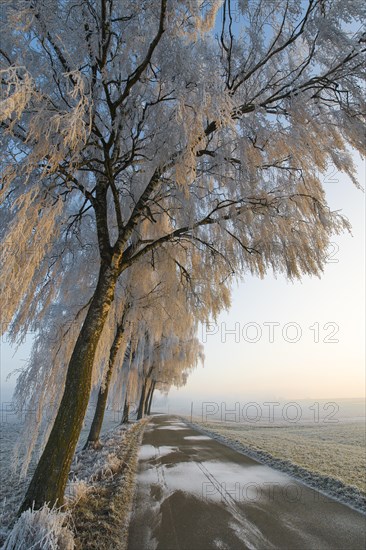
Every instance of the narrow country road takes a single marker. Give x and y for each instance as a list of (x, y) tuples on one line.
[(193, 493)]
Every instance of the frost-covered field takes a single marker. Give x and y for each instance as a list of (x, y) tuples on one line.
[(330, 457)]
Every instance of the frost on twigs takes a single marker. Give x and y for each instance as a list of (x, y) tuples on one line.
[(77, 490), (44, 529), (19, 89)]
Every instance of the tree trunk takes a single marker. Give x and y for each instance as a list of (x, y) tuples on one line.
[(151, 397), (142, 405), (93, 437), (51, 475), (147, 399), (140, 412), (126, 411)]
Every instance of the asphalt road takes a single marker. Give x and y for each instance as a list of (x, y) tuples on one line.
[(193, 493)]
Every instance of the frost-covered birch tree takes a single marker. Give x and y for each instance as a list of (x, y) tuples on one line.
[(170, 290), (169, 306), (169, 359), (166, 123)]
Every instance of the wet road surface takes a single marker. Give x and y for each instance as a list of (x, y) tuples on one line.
[(194, 493)]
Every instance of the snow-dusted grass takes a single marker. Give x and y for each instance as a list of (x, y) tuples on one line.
[(101, 489), (330, 457), (44, 529)]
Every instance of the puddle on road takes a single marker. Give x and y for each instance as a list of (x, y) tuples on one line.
[(177, 423), (147, 452), (198, 437), (212, 480), (207, 484), (170, 427)]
